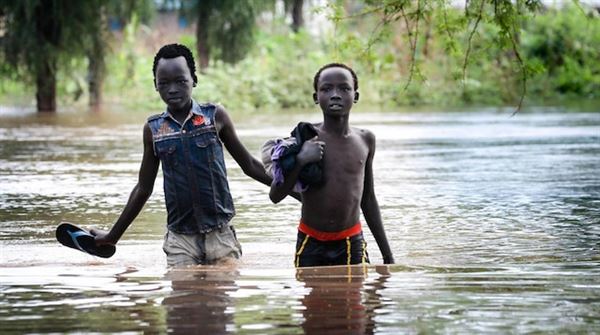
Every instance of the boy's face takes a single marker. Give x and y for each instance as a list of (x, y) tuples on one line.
[(335, 91), (174, 82)]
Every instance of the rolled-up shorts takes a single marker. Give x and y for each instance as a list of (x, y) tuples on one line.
[(201, 249)]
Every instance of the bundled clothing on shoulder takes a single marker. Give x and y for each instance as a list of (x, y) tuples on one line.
[(279, 158)]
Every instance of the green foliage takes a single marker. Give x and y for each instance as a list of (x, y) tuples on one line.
[(277, 74), (38, 32), (125, 10), (44, 39), (396, 66), (426, 44), (234, 32), (565, 44), (130, 79), (230, 25)]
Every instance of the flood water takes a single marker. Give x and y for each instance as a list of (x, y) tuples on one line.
[(494, 222)]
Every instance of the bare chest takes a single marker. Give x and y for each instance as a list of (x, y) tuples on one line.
[(345, 156)]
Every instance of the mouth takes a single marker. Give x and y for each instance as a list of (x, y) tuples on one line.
[(174, 100), (335, 107)]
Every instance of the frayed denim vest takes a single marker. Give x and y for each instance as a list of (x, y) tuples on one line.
[(195, 180)]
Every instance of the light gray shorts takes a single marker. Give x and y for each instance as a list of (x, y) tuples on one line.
[(194, 249)]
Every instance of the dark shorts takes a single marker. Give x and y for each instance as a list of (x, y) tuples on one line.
[(312, 252)]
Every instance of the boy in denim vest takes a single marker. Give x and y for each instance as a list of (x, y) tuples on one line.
[(329, 232), (187, 140)]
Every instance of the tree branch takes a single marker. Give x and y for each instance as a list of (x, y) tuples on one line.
[(469, 43)]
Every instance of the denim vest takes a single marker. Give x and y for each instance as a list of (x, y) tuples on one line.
[(195, 180)]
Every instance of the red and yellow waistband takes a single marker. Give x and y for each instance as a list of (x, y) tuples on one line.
[(329, 236)]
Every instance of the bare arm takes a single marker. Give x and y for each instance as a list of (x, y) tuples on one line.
[(370, 207), (138, 197), (250, 165)]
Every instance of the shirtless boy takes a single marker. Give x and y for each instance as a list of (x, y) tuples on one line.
[(330, 232)]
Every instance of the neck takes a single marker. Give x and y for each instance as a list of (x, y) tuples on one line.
[(182, 113), (336, 125)]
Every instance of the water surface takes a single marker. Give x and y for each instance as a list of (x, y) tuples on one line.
[(494, 222)]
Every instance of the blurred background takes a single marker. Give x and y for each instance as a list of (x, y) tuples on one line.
[(261, 54)]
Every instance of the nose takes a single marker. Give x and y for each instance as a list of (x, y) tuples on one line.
[(172, 89), (336, 94)]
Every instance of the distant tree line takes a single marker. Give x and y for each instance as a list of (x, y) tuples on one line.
[(39, 37)]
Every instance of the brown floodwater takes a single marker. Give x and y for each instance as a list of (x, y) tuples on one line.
[(494, 222)]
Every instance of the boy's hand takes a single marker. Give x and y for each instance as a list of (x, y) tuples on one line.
[(312, 151), (101, 237)]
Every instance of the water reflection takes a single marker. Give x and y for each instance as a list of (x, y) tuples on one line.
[(338, 301), (331, 300), (200, 302)]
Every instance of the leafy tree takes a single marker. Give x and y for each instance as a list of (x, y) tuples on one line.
[(43, 36), (294, 7), (566, 45), (98, 47), (39, 35), (225, 28), (419, 17)]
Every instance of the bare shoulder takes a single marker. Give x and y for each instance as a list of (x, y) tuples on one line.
[(366, 135), (220, 108), (222, 119), (220, 112), (147, 132)]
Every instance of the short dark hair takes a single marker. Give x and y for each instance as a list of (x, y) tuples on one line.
[(173, 51), (330, 65)]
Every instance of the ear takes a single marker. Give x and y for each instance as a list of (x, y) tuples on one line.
[(194, 85), (356, 95), (315, 99)]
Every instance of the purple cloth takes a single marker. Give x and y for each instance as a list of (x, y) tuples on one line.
[(278, 150)]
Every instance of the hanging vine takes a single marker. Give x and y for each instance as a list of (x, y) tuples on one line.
[(506, 15)]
